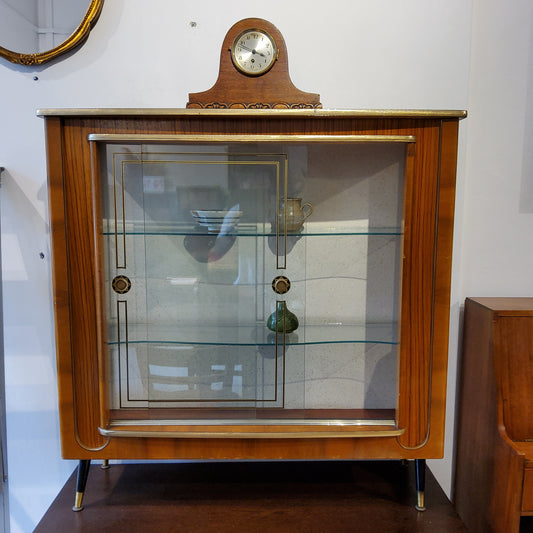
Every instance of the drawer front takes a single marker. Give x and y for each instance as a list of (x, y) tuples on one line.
[(527, 493), (513, 348)]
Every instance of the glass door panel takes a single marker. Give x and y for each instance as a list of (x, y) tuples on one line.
[(196, 240), (185, 335)]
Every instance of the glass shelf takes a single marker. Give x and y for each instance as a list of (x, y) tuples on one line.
[(259, 335), (248, 230)]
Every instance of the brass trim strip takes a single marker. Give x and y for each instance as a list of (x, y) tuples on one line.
[(339, 113), (255, 422), (179, 138), (266, 435), (123, 391), (281, 259)]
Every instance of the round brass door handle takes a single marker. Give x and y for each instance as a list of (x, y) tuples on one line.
[(121, 284), (281, 284)]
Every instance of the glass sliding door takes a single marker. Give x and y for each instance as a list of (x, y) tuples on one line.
[(253, 282)]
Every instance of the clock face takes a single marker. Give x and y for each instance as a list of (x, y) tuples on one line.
[(254, 52)]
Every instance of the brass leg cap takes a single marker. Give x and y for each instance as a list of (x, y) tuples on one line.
[(77, 502), (420, 505)]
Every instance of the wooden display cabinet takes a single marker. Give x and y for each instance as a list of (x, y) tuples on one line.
[(162, 307), (363, 377)]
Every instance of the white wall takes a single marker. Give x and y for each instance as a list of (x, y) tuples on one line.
[(493, 246), (356, 54)]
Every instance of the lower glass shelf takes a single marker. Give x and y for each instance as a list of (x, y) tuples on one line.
[(255, 423), (256, 335)]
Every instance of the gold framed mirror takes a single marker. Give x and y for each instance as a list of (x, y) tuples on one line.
[(36, 27)]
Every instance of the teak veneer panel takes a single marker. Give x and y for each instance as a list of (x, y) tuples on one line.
[(493, 484), (425, 279), (514, 343)]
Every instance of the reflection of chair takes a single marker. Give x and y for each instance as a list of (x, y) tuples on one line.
[(186, 372)]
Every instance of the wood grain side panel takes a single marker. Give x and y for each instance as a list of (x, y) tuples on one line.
[(79, 210), (506, 495), (443, 267), (476, 424), (489, 470), (527, 492), (56, 198), (514, 348), (418, 288)]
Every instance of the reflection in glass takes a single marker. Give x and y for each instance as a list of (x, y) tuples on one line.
[(191, 335), (35, 31)]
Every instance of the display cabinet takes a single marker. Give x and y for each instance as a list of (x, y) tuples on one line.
[(248, 283), (163, 345)]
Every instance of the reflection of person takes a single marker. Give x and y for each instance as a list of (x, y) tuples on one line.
[(381, 389), (290, 243), (222, 227), (208, 248)]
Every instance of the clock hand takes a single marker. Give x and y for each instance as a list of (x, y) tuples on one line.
[(254, 51)]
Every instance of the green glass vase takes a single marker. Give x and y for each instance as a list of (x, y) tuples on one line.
[(282, 319)]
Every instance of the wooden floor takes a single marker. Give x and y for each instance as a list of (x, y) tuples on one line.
[(303, 497)]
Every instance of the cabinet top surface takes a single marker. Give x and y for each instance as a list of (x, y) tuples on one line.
[(288, 113), (506, 304)]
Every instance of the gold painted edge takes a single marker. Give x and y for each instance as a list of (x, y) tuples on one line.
[(339, 113), (77, 37), (112, 137), (267, 434)]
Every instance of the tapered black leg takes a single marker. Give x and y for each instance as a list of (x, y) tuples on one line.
[(83, 473), (420, 472)]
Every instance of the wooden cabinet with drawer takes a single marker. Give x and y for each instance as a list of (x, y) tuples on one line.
[(494, 474)]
